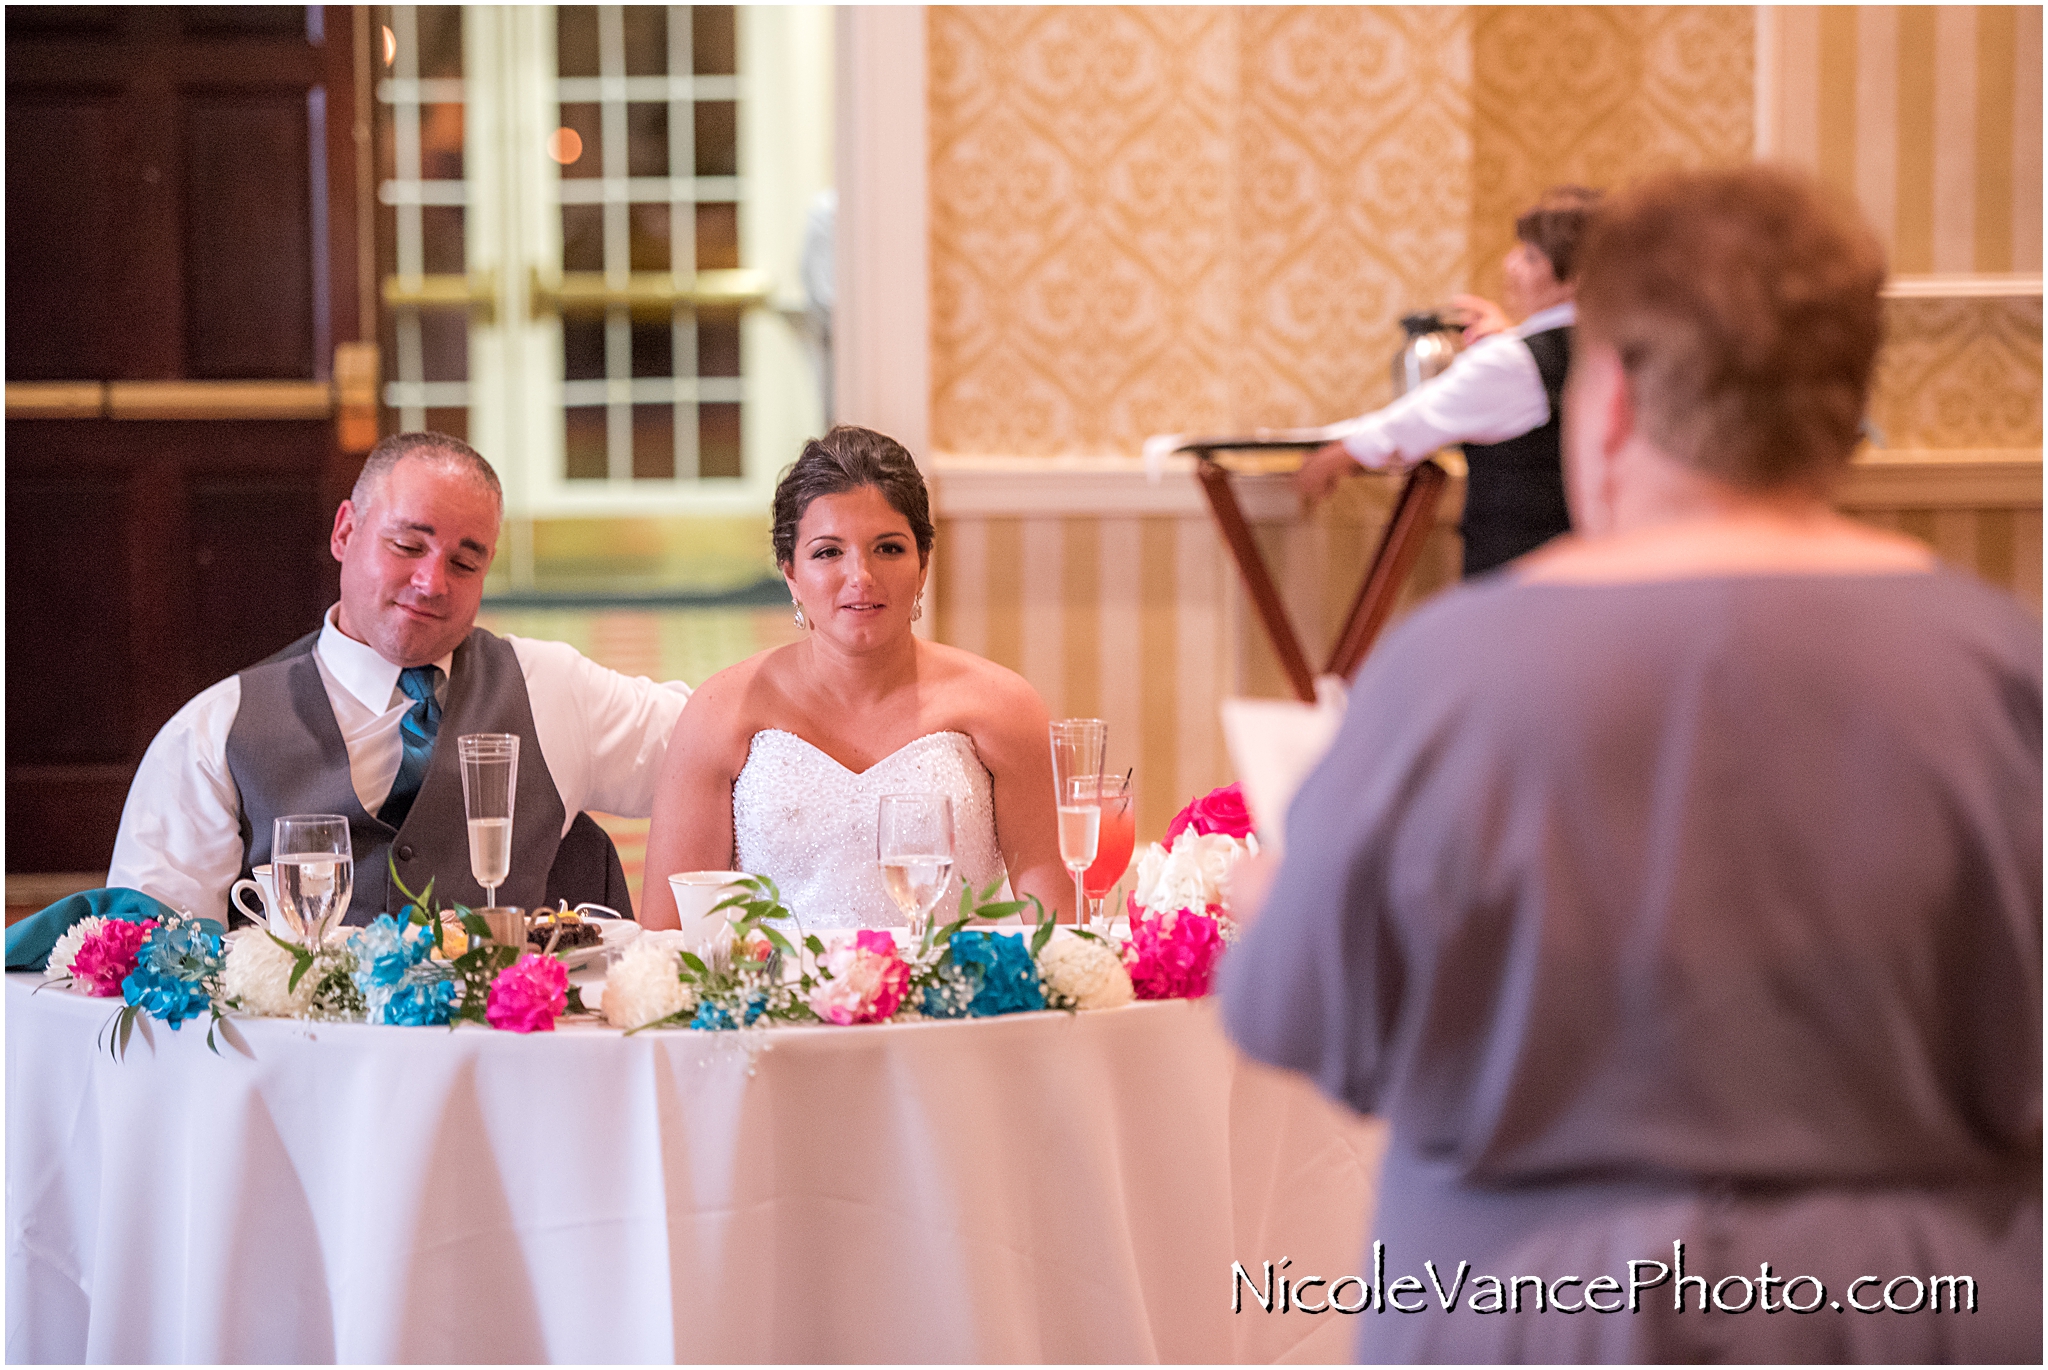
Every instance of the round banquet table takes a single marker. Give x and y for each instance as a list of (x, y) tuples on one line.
[(1040, 1187)]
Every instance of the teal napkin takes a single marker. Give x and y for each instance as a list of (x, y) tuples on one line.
[(29, 941)]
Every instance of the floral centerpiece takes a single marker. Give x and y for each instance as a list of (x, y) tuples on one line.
[(1180, 911), (756, 975)]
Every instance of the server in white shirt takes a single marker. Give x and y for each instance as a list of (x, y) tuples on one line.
[(358, 718), (1500, 399)]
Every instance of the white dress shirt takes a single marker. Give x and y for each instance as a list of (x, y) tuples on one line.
[(603, 736), (1490, 392)]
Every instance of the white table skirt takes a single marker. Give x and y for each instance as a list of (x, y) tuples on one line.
[(1041, 1187)]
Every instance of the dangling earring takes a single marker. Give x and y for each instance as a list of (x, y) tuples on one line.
[(917, 609), (799, 614)]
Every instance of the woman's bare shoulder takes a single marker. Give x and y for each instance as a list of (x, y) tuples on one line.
[(727, 710), (993, 704)]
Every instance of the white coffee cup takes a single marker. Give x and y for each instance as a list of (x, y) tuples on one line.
[(264, 887), (697, 892)]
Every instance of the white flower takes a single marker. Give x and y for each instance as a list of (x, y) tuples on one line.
[(1194, 875), (1083, 973), (68, 945), (643, 985), (258, 976)]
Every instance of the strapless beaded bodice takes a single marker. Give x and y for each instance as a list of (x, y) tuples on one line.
[(808, 823)]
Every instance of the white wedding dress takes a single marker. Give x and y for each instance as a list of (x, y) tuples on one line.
[(808, 823)]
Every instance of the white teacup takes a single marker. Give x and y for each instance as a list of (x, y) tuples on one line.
[(264, 887), (697, 893)]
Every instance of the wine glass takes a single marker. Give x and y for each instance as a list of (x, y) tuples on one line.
[(1117, 835), (914, 843), (313, 861), (490, 781), (1076, 779)]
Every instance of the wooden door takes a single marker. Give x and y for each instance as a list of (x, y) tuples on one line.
[(182, 211)]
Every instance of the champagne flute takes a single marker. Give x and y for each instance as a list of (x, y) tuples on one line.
[(490, 782), (313, 862), (1077, 745), (914, 843)]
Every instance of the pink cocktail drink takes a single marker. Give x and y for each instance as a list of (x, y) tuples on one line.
[(1113, 848)]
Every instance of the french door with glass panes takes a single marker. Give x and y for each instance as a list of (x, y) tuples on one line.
[(593, 226)]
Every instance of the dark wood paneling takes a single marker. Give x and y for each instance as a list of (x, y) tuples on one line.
[(68, 673), (248, 240), (180, 205), (62, 216)]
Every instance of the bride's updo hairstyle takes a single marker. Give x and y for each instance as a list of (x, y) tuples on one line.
[(848, 458), (1744, 307)]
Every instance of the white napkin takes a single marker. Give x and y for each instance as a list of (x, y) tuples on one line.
[(1274, 744)]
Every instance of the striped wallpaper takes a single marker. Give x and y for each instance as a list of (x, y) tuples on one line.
[(1117, 600), (1929, 116)]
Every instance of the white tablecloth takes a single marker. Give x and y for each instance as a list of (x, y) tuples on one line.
[(1039, 1187)]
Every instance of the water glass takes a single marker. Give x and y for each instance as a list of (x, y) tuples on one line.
[(312, 860), (490, 782), (914, 844)]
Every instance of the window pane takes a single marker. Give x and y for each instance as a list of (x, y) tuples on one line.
[(718, 138), (718, 440), (712, 40), (647, 140), (440, 41), (576, 40), (583, 350), (654, 351), (584, 119), (441, 238), (718, 345), (583, 443), (718, 237), (646, 40), (453, 422), (441, 142), (444, 345), (654, 442), (582, 237), (649, 241)]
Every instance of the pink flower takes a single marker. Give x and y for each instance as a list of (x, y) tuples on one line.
[(528, 995), (866, 981), (107, 957), (1173, 958), (1217, 811)]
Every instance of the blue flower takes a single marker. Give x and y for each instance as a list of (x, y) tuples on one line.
[(1008, 975), (385, 952), (421, 1005), (164, 996), (950, 991), (172, 968), (712, 1017)]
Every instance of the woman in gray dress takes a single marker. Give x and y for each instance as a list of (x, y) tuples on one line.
[(1677, 895)]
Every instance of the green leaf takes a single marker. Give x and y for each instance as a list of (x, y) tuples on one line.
[(1041, 937), (695, 963), (125, 1031), (475, 926), (778, 941), (575, 1004), (816, 947)]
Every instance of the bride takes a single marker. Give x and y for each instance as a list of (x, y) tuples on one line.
[(778, 763)]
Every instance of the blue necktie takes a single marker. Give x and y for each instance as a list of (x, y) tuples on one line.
[(416, 732)]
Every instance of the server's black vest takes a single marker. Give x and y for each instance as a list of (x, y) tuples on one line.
[(286, 755), (1514, 490)]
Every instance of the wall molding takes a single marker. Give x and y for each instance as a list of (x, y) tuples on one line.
[(1117, 487)]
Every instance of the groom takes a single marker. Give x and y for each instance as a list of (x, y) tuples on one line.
[(352, 718)]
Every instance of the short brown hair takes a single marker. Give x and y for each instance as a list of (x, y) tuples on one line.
[(1744, 307), (439, 448), (1556, 224), (848, 458)]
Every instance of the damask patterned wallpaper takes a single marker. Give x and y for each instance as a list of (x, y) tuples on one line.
[(1152, 219)]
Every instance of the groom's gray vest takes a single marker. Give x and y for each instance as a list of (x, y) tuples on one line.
[(286, 755)]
